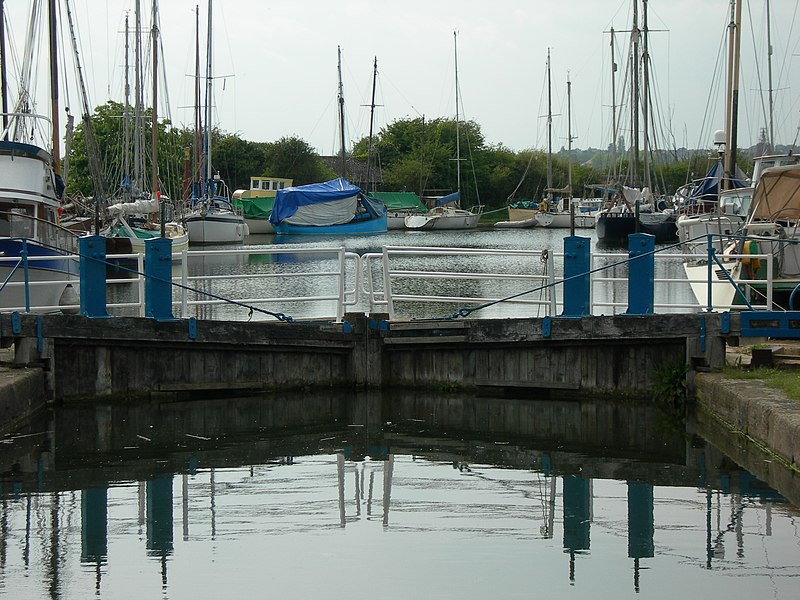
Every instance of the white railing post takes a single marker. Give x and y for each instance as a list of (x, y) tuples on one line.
[(551, 280), (184, 283), (387, 284), (141, 282)]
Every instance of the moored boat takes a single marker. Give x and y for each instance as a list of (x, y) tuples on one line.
[(400, 205), (335, 207), (37, 255), (256, 203)]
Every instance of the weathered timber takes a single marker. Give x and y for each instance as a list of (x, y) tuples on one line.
[(619, 354)]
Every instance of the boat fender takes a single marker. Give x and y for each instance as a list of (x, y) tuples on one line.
[(543, 206), (750, 247)]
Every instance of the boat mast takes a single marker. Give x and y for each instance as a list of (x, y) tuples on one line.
[(422, 156), (371, 121), (126, 119), (569, 136), (549, 134), (3, 82), (635, 94), (138, 100), (341, 115), (458, 133), (769, 78), (209, 179), (614, 132), (732, 108), (54, 90), (154, 182), (645, 98), (198, 122)]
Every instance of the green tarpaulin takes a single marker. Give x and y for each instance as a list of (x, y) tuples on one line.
[(400, 201), (255, 208)]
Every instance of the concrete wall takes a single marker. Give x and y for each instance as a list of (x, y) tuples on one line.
[(88, 358)]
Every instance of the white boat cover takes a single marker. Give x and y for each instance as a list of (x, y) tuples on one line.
[(137, 207), (335, 212)]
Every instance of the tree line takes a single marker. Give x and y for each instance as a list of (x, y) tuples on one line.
[(408, 154)]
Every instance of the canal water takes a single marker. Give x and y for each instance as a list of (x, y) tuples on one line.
[(289, 275), (395, 495)]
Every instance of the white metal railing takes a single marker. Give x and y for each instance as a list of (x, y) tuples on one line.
[(405, 282)]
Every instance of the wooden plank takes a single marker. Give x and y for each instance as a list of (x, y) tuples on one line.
[(405, 341)]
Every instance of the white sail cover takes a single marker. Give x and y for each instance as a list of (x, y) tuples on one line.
[(137, 207)]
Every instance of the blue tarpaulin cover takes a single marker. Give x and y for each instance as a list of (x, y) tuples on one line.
[(454, 197), (708, 188), (340, 191), (289, 199)]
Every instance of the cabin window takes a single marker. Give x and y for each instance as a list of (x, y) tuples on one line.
[(16, 221), (265, 185), (281, 185)]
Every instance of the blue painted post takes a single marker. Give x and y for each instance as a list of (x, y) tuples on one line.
[(158, 279), (93, 276), (641, 273), (577, 280)]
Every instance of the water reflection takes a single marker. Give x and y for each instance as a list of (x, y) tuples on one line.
[(462, 495)]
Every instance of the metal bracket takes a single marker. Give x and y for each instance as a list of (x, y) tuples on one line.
[(702, 334), (192, 328), (16, 323), (39, 337), (725, 323), (546, 326)]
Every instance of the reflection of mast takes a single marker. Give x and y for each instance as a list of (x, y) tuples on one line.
[(388, 470), (185, 503), (55, 560), (340, 474), (577, 500), (213, 485), (641, 527)]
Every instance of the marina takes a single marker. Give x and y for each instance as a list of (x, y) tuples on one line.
[(434, 361)]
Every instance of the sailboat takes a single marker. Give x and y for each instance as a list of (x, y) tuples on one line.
[(634, 207), (568, 212), (447, 214), (140, 216), (760, 218), (37, 261), (211, 218)]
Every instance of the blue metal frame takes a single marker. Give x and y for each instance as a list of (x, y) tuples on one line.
[(158, 279), (577, 276), (771, 323), (641, 274), (93, 276)]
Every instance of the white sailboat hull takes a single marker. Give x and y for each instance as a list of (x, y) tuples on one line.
[(215, 228), (723, 292), (443, 218), (562, 220)]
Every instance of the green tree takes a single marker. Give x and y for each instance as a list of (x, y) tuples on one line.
[(292, 157)]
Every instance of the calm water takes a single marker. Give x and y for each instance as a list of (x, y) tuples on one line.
[(394, 496), (285, 275)]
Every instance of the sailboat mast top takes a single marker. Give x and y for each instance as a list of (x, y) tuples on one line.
[(341, 116), (458, 133)]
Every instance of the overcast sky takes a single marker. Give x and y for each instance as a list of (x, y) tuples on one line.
[(277, 63)]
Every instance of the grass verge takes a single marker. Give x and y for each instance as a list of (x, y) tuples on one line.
[(780, 379)]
